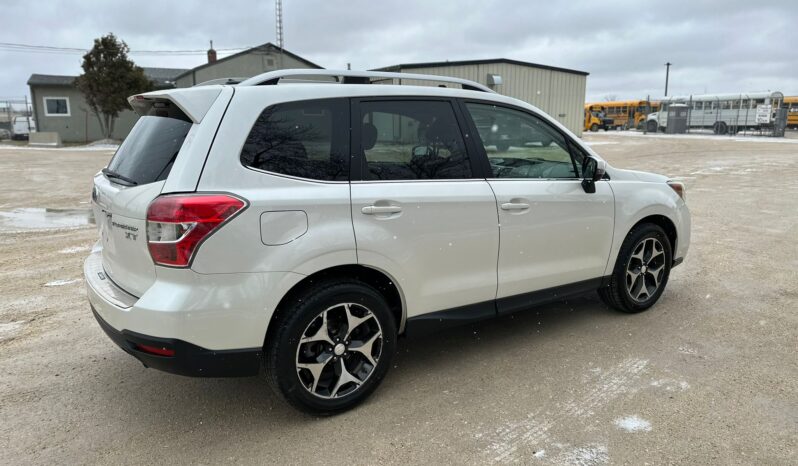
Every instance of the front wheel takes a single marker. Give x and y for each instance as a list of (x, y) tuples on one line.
[(594, 127), (652, 126), (332, 348), (642, 270)]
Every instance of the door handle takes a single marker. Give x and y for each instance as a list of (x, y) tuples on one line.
[(381, 209), (515, 206)]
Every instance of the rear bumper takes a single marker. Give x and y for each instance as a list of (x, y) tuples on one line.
[(190, 360), (215, 323)]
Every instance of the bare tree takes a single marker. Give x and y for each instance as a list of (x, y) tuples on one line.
[(610, 97)]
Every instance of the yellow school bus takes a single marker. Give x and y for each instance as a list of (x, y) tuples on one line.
[(791, 104), (627, 114), (595, 118)]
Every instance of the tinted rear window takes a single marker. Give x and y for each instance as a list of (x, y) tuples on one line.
[(148, 152), (307, 139)]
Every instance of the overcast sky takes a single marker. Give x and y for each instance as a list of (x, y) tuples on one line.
[(722, 46)]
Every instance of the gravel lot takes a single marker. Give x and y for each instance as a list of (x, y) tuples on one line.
[(709, 375)]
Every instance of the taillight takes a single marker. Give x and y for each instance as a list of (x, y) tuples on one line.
[(178, 224)]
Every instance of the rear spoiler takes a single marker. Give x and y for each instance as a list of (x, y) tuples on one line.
[(194, 102)]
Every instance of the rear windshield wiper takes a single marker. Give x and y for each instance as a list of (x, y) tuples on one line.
[(112, 174)]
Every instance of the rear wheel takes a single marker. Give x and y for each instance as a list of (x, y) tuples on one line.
[(332, 348), (642, 270)]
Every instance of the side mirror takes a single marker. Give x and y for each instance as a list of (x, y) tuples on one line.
[(592, 170)]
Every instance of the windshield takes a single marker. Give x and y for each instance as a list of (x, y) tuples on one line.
[(149, 151)]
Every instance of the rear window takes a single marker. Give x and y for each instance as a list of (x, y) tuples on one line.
[(307, 139), (148, 152)]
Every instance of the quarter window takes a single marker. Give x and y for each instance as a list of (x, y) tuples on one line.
[(520, 145), (307, 139), (56, 106), (411, 140)]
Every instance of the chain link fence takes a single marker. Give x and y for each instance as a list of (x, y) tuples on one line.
[(16, 118), (755, 114)]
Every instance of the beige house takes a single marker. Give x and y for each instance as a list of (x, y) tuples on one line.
[(250, 62)]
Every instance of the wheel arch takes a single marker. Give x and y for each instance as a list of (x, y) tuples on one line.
[(657, 218), (663, 222), (380, 280)]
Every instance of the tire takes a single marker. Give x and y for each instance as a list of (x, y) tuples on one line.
[(722, 127), (651, 126), (322, 318), (626, 292), (594, 127)]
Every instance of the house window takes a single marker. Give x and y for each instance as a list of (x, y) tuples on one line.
[(270, 62), (56, 106)]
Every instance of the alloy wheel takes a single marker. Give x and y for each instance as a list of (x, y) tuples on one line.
[(645, 270), (339, 350)]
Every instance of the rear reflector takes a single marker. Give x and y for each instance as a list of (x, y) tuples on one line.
[(178, 224), (156, 350)]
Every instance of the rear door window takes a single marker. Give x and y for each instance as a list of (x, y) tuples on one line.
[(306, 139), (148, 152), (411, 140)]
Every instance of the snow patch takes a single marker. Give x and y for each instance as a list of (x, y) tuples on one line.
[(671, 385), (600, 143), (711, 137), (74, 249), (62, 282), (88, 148), (633, 423), (532, 430), (10, 329), (588, 455), (539, 454)]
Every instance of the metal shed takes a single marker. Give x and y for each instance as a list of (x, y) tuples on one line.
[(560, 92)]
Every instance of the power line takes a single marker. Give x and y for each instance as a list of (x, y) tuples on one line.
[(30, 48)]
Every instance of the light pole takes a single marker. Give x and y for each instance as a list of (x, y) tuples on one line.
[(667, 72)]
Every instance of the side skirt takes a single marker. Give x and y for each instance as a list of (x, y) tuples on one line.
[(434, 321)]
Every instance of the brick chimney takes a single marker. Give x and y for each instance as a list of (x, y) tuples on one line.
[(211, 54)]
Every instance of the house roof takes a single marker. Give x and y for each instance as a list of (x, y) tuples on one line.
[(159, 76), (267, 47), (478, 62)]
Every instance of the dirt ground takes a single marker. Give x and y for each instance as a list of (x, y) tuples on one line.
[(707, 376)]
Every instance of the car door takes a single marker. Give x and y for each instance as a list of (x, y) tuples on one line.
[(421, 209), (552, 233)]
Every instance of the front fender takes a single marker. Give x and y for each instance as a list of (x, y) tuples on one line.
[(636, 200)]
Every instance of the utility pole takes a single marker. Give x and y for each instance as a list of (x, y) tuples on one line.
[(667, 72), (278, 18)]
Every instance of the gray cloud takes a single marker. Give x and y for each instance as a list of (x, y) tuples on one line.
[(723, 46)]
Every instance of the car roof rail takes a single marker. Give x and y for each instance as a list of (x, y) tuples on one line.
[(225, 81), (354, 77)]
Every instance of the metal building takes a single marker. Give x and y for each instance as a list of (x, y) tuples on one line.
[(560, 92)]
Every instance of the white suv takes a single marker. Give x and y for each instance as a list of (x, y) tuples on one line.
[(303, 226)]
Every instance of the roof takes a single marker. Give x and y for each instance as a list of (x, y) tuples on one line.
[(159, 76), (487, 61), (744, 95), (268, 46)]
